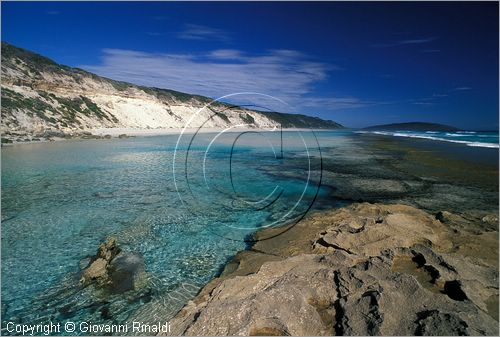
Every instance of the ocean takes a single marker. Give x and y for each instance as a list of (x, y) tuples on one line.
[(187, 206), (469, 138)]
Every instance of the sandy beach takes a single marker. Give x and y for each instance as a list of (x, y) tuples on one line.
[(114, 132)]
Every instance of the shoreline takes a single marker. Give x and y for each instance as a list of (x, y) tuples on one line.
[(430, 138), (112, 133)]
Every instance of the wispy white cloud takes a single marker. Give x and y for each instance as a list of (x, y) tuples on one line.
[(336, 103), (286, 74), (200, 32), (226, 54), (424, 103), (417, 41), (436, 98)]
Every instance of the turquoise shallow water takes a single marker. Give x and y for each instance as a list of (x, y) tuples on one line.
[(60, 200)]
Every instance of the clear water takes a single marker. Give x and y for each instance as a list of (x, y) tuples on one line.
[(60, 200), (469, 138)]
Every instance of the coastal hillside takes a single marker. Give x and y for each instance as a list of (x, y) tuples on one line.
[(412, 126), (44, 99)]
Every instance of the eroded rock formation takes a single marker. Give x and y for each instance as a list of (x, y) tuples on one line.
[(367, 269)]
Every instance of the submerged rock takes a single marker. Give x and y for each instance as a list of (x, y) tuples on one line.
[(97, 270), (126, 272), (113, 269), (108, 285)]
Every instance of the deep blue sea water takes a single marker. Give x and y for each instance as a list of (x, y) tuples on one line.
[(185, 215)]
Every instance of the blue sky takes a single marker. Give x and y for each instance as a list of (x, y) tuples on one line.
[(356, 63)]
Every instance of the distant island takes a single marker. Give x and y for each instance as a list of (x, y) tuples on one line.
[(43, 100), (412, 126)]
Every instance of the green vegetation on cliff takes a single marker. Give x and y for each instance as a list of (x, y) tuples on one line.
[(58, 95)]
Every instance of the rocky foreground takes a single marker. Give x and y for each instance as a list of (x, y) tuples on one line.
[(367, 269)]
